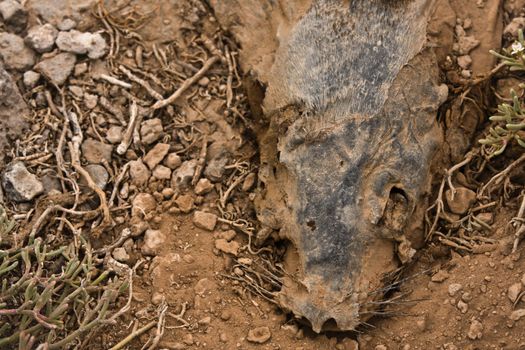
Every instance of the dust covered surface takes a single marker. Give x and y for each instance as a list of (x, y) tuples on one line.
[(133, 138)]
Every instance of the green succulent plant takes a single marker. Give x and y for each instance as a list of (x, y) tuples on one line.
[(509, 122)]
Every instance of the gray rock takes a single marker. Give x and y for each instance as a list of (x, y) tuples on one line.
[(19, 184), (31, 78), (14, 15), (151, 130), (57, 11), (15, 53), (95, 151), (139, 173), (153, 242), (50, 183), (215, 168), (92, 44), (184, 174), (120, 254), (57, 68), (12, 106), (41, 38), (99, 175), (514, 26)]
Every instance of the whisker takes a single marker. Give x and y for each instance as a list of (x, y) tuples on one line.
[(394, 302), (397, 283), (368, 325), (388, 313)]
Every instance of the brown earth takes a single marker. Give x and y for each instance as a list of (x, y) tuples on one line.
[(449, 298)]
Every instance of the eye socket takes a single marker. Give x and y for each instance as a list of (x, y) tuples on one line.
[(396, 210)]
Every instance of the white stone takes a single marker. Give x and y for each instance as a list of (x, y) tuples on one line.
[(31, 78), (19, 184), (80, 43), (41, 38)]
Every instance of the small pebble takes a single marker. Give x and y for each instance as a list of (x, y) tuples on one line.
[(203, 186), (466, 297), (188, 339), (464, 61), (227, 235), (204, 220), (439, 276), (205, 321), (156, 155), (31, 78), (462, 307), (460, 201), (454, 288), (514, 291), (172, 161), (475, 330), (259, 335), (80, 69), (465, 73), (157, 298), (227, 247), (185, 203), (161, 172), (114, 134), (249, 181), (120, 254), (223, 337), (517, 314), (168, 192), (422, 323), (203, 285), (188, 259), (226, 315), (67, 24), (204, 81), (154, 240)]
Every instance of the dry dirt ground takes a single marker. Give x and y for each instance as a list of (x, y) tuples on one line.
[(185, 183)]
